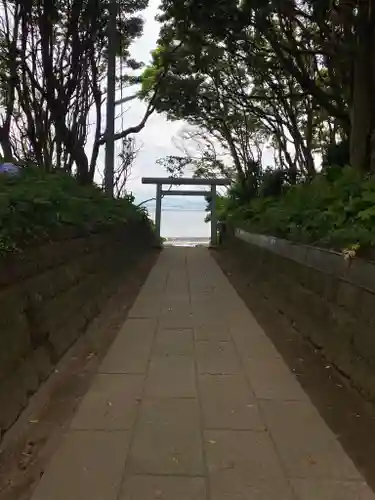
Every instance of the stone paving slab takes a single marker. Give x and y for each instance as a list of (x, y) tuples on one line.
[(130, 352), (176, 321), (193, 402), (228, 485), (171, 377), (111, 403), (272, 379), (255, 346), (168, 438), (163, 488), (214, 332), (217, 358), (307, 489), (88, 466), (228, 404), (311, 450), (170, 342), (145, 308), (237, 472)]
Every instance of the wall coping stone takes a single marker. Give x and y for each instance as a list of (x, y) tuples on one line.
[(356, 271)]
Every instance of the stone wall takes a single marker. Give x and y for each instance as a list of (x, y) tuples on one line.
[(47, 298), (329, 299)]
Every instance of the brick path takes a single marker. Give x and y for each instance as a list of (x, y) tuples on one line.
[(193, 402)]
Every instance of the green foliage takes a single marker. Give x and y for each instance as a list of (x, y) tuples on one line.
[(149, 78), (336, 154), (260, 73), (38, 207), (335, 211)]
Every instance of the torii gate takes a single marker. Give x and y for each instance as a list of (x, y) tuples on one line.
[(171, 181)]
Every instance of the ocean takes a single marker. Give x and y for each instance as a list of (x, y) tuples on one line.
[(183, 226)]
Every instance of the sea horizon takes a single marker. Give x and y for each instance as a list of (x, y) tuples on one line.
[(182, 224)]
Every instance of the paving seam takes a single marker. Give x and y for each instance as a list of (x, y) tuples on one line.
[(199, 397), (142, 395)]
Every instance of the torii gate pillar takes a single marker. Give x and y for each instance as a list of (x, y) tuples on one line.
[(160, 181)]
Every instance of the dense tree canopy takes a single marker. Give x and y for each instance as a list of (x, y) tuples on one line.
[(296, 74)]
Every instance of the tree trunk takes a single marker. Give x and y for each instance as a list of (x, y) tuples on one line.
[(5, 146), (232, 148), (362, 151)]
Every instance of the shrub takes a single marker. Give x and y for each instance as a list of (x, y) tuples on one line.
[(38, 206), (336, 211)]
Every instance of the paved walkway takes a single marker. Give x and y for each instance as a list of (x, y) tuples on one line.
[(193, 402)]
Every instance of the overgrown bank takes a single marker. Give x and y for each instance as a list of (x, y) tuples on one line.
[(37, 207), (336, 209)]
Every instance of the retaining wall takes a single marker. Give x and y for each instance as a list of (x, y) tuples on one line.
[(329, 299), (48, 296)]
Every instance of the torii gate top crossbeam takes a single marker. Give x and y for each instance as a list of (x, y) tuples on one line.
[(183, 181)]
